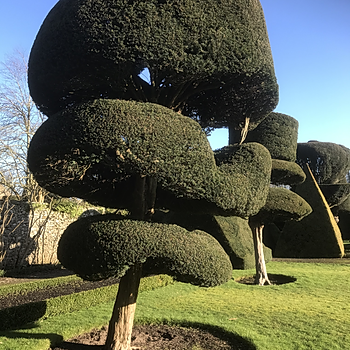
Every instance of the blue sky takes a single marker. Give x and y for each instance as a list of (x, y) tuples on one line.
[(310, 41)]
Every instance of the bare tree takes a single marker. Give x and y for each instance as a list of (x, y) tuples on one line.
[(19, 119), (6, 215)]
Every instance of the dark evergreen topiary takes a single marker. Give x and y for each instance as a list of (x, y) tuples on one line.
[(92, 151), (99, 247), (329, 162), (232, 232), (281, 205), (343, 212), (103, 143), (286, 173), (279, 134), (335, 194), (317, 235), (212, 60)]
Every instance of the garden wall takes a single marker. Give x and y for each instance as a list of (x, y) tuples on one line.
[(32, 235)]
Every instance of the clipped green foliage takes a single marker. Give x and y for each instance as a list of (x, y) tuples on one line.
[(92, 151), (335, 194), (235, 236), (283, 205), (329, 162), (343, 211), (279, 134), (99, 247), (286, 173), (197, 53), (315, 236), (232, 232)]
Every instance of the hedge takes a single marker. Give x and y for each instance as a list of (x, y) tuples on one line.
[(17, 316)]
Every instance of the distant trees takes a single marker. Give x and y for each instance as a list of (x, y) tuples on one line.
[(19, 119), (116, 140)]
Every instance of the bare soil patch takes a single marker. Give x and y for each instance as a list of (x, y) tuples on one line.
[(160, 337)]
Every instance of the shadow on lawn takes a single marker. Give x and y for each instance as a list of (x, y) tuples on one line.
[(18, 316), (15, 334), (233, 339)]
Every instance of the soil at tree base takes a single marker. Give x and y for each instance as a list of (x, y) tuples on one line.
[(157, 337)]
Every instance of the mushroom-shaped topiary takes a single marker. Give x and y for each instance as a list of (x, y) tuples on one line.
[(116, 140), (278, 133)]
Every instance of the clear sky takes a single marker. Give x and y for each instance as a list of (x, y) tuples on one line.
[(310, 41)]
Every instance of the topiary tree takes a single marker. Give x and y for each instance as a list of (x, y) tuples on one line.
[(278, 133), (104, 143), (330, 164), (92, 151), (317, 235)]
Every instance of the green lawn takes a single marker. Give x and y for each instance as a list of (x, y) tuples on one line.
[(311, 313)]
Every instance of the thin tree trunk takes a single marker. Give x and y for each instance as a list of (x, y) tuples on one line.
[(121, 323), (261, 277)]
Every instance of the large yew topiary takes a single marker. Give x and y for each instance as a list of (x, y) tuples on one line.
[(329, 162), (317, 235), (104, 143), (93, 151)]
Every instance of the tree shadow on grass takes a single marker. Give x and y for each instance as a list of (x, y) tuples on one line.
[(17, 316), (18, 333)]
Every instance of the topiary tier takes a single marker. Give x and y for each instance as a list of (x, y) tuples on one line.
[(103, 246), (92, 151)]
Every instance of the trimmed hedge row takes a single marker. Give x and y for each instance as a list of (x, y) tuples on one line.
[(18, 316), (32, 286)]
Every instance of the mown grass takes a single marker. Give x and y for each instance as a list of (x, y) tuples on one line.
[(311, 313)]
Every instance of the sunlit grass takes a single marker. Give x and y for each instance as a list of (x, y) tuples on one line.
[(311, 313)]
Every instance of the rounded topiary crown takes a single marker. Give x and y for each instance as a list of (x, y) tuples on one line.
[(88, 49), (279, 134)]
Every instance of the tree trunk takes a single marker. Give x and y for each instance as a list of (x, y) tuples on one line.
[(121, 323), (261, 277)]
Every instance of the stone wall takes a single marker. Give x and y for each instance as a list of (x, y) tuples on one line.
[(32, 236)]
